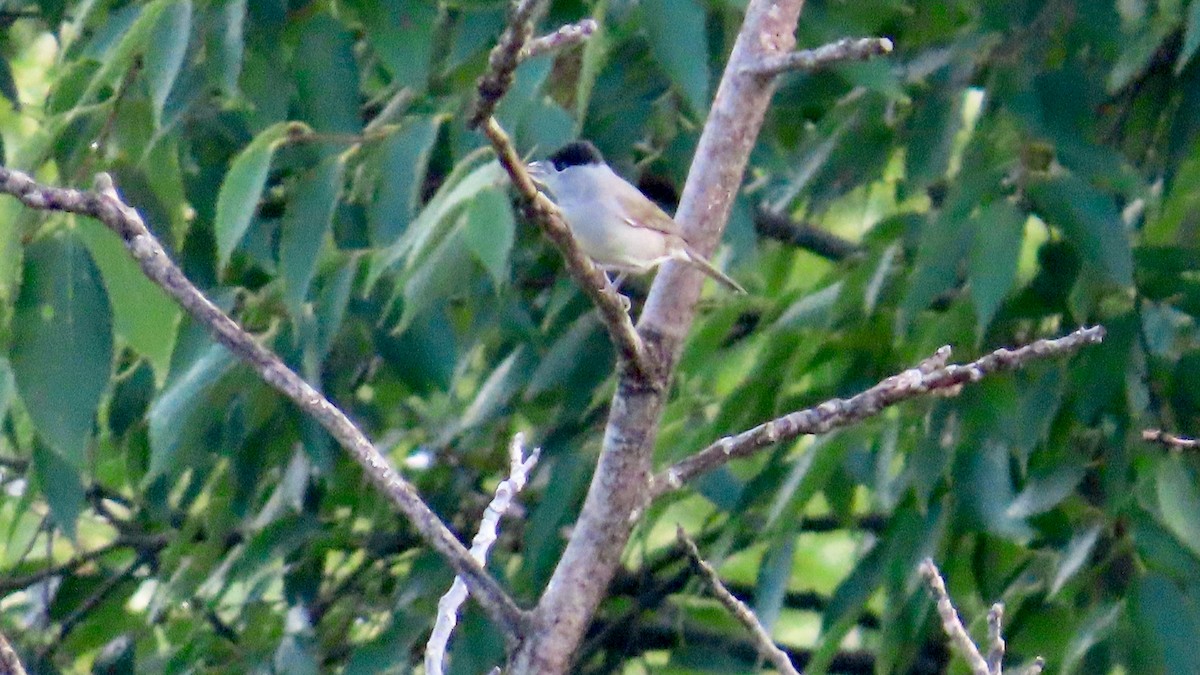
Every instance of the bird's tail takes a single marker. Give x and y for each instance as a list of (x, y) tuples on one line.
[(700, 262)]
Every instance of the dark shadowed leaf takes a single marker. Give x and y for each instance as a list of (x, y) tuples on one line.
[(167, 46), (1089, 220), (237, 200), (999, 231), (61, 482), (327, 76), (62, 344), (403, 159), (685, 61), (306, 224)]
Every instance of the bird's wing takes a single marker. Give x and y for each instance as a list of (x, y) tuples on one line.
[(643, 212)]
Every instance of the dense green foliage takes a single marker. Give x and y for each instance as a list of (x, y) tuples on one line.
[(1016, 169)]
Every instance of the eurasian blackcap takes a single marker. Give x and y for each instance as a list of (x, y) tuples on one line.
[(615, 224)]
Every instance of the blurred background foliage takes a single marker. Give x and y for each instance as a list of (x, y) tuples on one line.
[(1014, 170)]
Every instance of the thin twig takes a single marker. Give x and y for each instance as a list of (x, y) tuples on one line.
[(933, 375), (594, 283), (10, 662), (762, 639), (1169, 440), (995, 655), (519, 467), (504, 59), (846, 49), (104, 204), (951, 623), (568, 35), (145, 545)]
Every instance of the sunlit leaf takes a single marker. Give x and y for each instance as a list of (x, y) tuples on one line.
[(167, 46), (489, 230)]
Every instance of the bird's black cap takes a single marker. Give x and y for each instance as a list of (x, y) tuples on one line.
[(576, 153)]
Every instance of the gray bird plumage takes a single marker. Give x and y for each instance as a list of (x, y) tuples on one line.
[(615, 224)]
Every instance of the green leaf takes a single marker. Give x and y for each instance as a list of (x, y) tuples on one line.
[(774, 575), (445, 272), (165, 52), (116, 61), (1089, 220), (143, 314), (1097, 626), (685, 60), (175, 411), (237, 200), (227, 45), (469, 177), (1168, 621), (999, 231), (60, 481), (327, 76), (1181, 203), (403, 160), (306, 224), (1191, 38), (944, 242), (399, 30), (1078, 551), (1179, 500), (489, 229), (62, 344), (595, 55)]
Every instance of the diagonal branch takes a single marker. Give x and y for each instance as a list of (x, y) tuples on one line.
[(762, 639), (106, 206), (931, 376), (589, 277)]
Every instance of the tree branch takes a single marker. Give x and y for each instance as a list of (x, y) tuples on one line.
[(10, 662), (743, 613), (619, 485), (846, 49), (106, 206), (933, 375), (519, 467), (811, 238), (954, 629)]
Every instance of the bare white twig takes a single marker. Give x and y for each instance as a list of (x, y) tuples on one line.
[(846, 49), (570, 34), (951, 623), (762, 639), (953, 626), (519, 467), (995, 655), (1169, 440)]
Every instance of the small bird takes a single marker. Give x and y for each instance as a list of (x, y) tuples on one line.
[(616, 225)]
